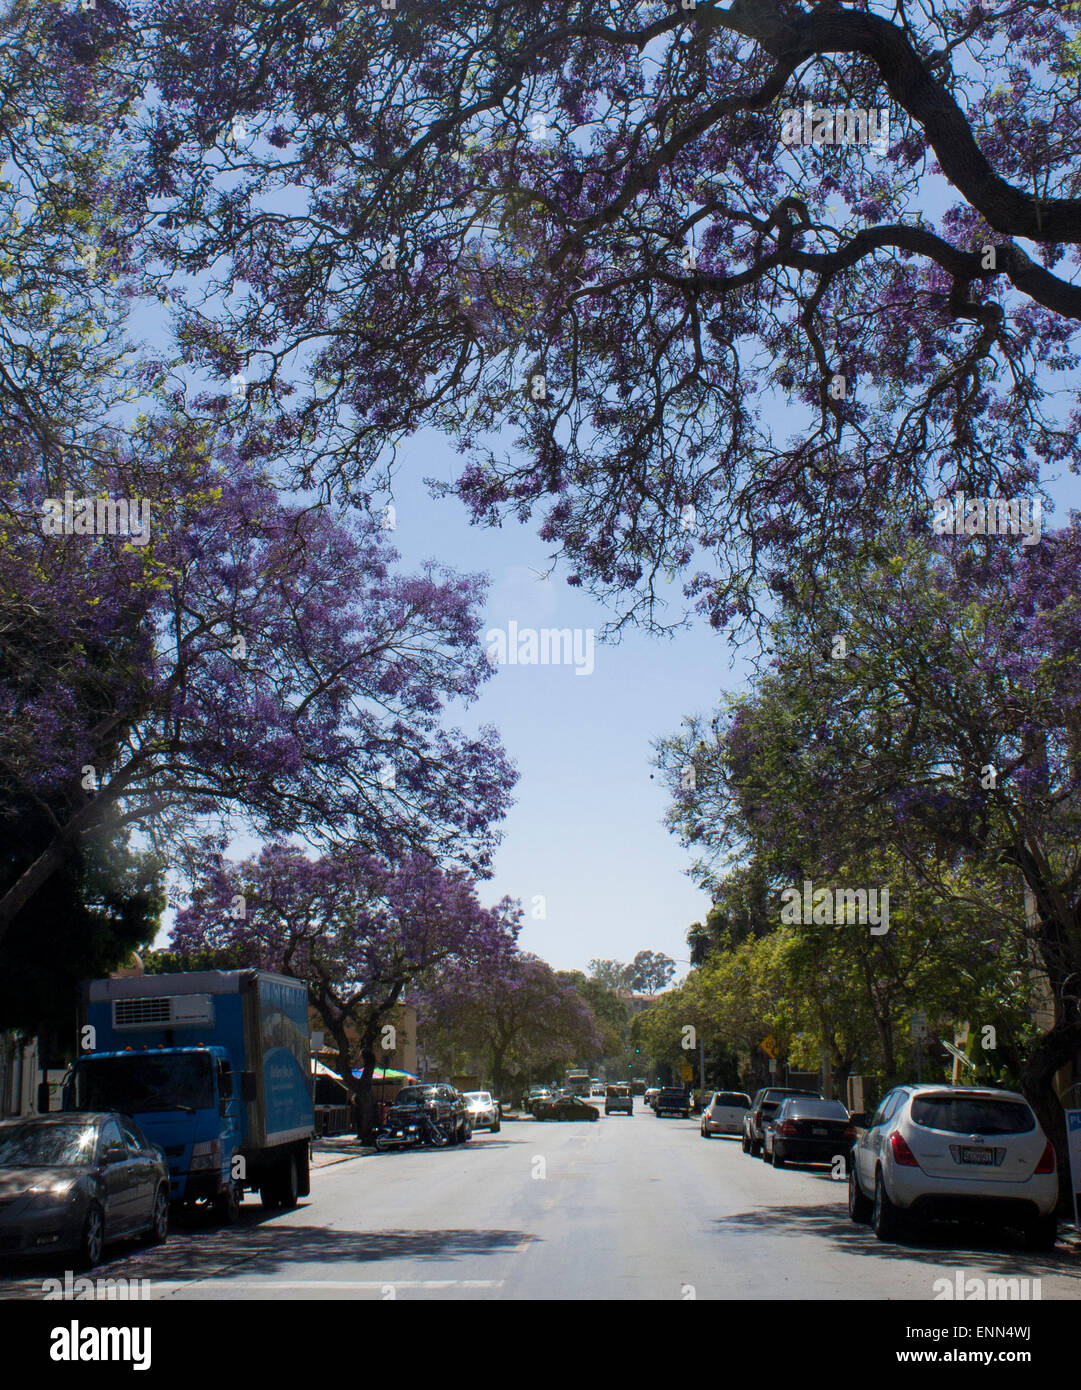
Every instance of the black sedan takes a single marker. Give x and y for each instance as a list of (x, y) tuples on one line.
[(565, 1108), (808, 1131), (76, 1182)]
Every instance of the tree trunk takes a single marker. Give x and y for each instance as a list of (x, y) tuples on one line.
[(1053, 1051), (364, 1100)]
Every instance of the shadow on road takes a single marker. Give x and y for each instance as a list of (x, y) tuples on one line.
[(980, 1247), (267, 1243)]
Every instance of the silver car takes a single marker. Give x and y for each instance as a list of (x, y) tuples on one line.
[(483, 1110), (724, 1113)]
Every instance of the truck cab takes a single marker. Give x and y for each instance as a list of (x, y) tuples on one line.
[(187, 1100)]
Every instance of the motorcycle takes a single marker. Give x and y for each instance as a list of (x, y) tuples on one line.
[(411, 1129)]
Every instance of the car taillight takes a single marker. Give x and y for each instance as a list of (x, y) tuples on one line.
[(902, 1154), (1047, 1162), (788, 1128), (850, 1133)]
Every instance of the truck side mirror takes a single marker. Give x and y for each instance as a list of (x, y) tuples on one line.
[(247, 1086), (43, 1098)]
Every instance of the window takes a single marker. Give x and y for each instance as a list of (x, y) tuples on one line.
[(132, 1138), (973, 1115), (886, 1104), (110, 1137)]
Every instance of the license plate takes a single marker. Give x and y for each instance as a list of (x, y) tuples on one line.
[(977, 1156), (823, 1132)]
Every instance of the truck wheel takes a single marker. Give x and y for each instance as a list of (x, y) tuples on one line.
[(304, 1175), (227, 1205), (268, 1194), (290, 1183)]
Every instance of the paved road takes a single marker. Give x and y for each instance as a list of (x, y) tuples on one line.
[(627, 1208)]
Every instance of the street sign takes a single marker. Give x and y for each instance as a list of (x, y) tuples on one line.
[(918, 1025), (686, 1072), (769, 1046)]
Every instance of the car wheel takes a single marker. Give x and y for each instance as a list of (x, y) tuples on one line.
[(859, 1206), (159, 1218), (1043, 1233), (775, 1158), (885, 1217), (92, 1241), (744, 1144), (496, 1127), (756, 1148)]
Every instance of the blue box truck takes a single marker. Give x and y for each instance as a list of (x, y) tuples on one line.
[(215, 1066)]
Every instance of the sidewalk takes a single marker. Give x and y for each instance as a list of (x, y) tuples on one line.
[(338, 1148)]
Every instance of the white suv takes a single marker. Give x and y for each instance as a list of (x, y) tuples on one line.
[(724, 1113), (955, 1154)]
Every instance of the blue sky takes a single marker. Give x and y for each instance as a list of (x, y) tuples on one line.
[(586, 833)]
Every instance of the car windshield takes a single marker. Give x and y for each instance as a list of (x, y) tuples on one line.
[(138, 1082), (416, 1095), (973, 1115), (47, 1146), (478, 1097)]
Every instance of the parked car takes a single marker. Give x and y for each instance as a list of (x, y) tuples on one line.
[(638, 1086), (78, 1182), (448, 1108), (933, 1152), (808, 1131), (672, 1100), (765, 1105), (618, 1098), (724, 1112), (566, 1108), (483, 1110), (650, 1095)]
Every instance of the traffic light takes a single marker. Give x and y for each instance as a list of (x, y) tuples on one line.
[(637, 1050)]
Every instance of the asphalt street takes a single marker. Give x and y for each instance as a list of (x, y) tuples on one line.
[(626, 1208)]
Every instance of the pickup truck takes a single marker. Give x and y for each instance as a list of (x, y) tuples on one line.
[(215, 1068), (672, 1100), (765, 1105)]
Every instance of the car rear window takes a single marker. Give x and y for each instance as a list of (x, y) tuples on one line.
[(973, 1115), (817, 1109), (731, 1098)]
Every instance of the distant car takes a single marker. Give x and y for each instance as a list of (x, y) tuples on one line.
[(724, 1112), (445, 1104), (765, 1105), (638, 1087), (618, 1098), (809, 1131), (535, 1094), (597, 1089), (78, 1182), (650, 1095), (954, 1153), (672, 1100), (483, 1110), (566, 1108)]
